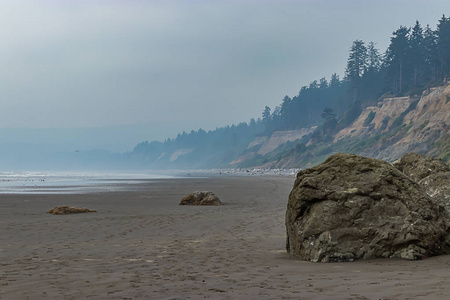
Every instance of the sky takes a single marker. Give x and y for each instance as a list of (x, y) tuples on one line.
[(109, 74)]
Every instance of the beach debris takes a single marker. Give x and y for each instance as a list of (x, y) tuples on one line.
[(353, 207), (201, 198), (64, 210)]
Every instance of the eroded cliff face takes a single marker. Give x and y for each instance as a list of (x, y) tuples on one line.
[(410, 125), (387, 131), (385, 114)]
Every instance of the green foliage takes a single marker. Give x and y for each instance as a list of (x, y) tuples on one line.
[(416, 92), (350, 116), (356, 65), (329, 126), (369, 118), (317, 135), (300, 148), (416, 58), (442, 148), (424, 125), (399, 120), (443, 44), (384, 123), (325, 150), (328, 113)]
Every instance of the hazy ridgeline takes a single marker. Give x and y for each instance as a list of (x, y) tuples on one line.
[(417, 58)]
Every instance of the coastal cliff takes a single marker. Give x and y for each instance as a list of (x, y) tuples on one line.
[(424, 128), (387, 130)]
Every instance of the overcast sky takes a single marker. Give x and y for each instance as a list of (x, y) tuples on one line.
[(178, 65)]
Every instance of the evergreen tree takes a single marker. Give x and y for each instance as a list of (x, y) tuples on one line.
[(371, 82), (334, 81), (417, 52), (313, 85), (328, 113), (266, 116), (323, 83), (397, 57), (330, 120), (430, 53), (356, 64), (443, 44), (286, 113), (373, 58)]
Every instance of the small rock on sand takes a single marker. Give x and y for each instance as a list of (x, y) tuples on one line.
[(64, 210), (201, 198)]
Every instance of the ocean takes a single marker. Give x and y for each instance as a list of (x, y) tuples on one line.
[(72, 182)]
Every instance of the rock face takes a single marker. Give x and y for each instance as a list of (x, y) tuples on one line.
[(432, 174), (353, 207), (437, 187), (201, 198), (418, 166), (425, 127), (64, 210)]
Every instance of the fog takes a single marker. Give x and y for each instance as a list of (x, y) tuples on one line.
[(89, 75)]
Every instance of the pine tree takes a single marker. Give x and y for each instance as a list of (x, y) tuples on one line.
[(334, 81), (371, 81), (397, 58), (286, 112), (356, 64), (417, 52), (323, 83), (430, 53), (328, 113), (373, 58), (443, 44)]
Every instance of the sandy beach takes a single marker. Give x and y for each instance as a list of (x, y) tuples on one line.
[(140, 244)]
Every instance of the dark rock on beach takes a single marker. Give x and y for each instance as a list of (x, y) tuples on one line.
[(64, 210), (432, 174), (352, 207), (201, 198), (418, 166), (437, 186)]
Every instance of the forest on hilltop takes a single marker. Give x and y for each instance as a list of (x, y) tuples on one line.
[(417, 59)]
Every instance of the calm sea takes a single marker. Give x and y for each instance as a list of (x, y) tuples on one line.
[(72, 182)]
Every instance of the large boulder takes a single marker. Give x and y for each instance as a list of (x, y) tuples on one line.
[(353, 207), (418, 166), (201, 198), (432, 174)]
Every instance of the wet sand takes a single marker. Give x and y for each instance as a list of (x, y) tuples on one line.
[(142, 245)]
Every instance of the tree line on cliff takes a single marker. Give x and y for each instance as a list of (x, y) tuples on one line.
[(417, 58)]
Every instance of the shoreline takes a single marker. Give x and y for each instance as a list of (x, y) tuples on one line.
[(142, 245), (94, 182)]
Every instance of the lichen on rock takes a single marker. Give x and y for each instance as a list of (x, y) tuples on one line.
[(418, 166), (432, 174)]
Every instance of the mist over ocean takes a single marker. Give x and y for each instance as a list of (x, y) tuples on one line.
[(33, 182)]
